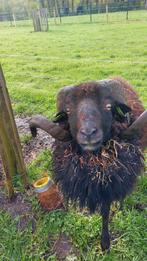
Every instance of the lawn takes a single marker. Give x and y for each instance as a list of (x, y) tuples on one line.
[(36, 65)]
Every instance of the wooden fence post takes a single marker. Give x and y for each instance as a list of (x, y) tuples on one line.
[(10, 147), (107, 13), (55, 16), (58, 10), (127, 15), (40, 20), (36, 21), (14, 19), (90, 10), (43, 15)]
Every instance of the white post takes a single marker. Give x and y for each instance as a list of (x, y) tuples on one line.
[(55, 16), (107, 12), (14, 19)]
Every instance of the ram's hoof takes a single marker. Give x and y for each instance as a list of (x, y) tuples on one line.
[(33, 131), (105, 243)]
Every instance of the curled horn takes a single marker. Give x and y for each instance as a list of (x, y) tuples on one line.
[(113, 88), (120, 89), (62, 95), (53, 128), (137, 126)]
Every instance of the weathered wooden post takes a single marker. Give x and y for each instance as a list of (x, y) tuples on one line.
[(107, 12), (127, 15), (10, 147), (43, 14), (14, 19), (40, 20), (54, 11), (36, 21), (90, 10), (58, 10)]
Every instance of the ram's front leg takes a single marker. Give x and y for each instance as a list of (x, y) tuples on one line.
[(105, 237)]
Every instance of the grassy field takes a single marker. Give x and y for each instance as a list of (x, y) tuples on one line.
[(36, 65)]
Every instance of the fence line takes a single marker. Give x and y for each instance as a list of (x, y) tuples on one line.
[(82, 10), (105, 11)]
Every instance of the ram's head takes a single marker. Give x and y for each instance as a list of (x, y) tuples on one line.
[(88, 112)]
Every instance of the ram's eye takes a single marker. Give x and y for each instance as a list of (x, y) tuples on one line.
[(108, 107), (67, 110)]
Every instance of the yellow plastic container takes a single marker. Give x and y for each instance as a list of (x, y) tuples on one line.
[(48, 194)]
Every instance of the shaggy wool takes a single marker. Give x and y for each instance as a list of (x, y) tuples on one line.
[(89, 179)]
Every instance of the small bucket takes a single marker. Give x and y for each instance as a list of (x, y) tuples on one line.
[(48, 194)]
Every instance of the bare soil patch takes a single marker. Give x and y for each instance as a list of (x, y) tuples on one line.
[(31, 147), (63, 248), (18, 209)]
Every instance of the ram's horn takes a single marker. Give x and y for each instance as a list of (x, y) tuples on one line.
[(111, 87), (137, 126), (54, 129)]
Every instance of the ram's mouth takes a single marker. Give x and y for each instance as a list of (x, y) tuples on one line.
[(91, 146)]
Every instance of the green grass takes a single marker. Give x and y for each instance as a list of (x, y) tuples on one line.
[(36, 65)]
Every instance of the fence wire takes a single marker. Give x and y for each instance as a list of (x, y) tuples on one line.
[(100, 14)]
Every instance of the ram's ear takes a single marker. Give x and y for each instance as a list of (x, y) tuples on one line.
[(120, 111), (60, 117)]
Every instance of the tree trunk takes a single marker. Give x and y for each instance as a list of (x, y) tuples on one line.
[(72, 6)]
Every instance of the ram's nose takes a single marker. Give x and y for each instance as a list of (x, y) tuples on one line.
[(88, 133), (90, 138)]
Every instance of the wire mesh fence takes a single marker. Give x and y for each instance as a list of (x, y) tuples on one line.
[(83, 14)]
